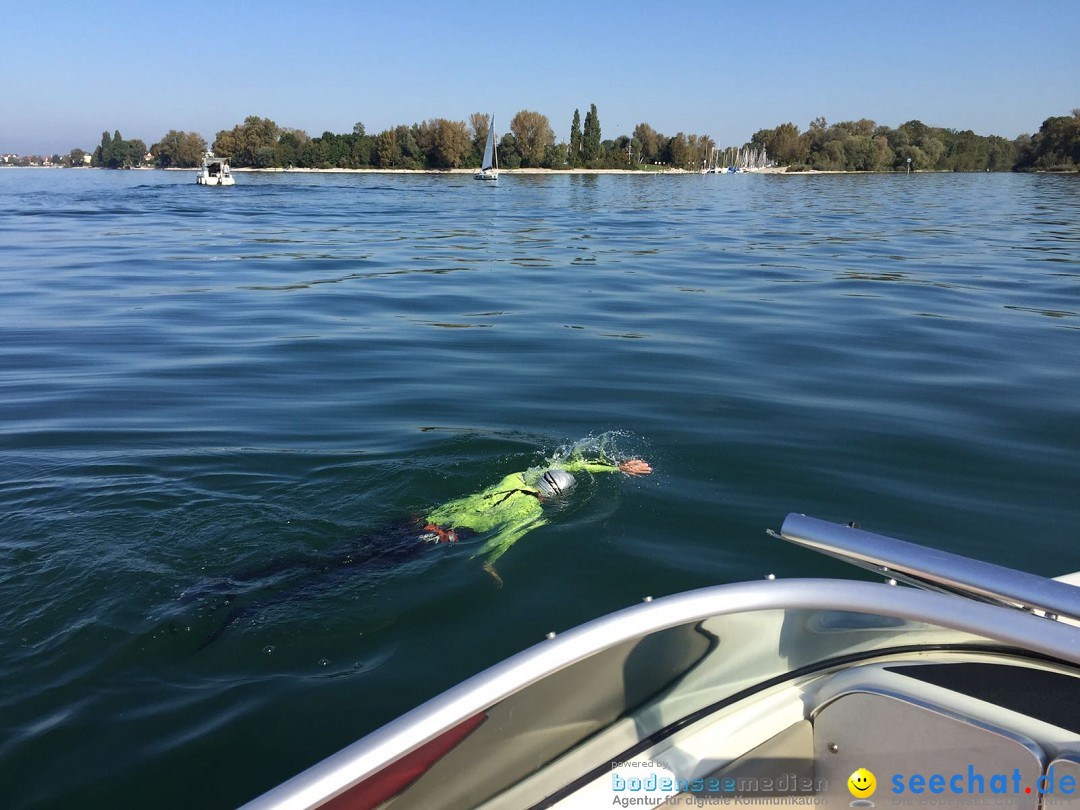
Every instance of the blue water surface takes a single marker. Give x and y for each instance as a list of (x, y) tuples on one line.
[(211, 398)]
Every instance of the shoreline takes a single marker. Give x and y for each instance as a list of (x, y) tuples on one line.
[(771, 170), (530, 171)]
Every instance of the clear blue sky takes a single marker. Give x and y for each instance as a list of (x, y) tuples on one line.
[(725, 69)]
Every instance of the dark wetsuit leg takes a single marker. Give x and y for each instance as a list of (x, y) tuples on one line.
[(307, 576)]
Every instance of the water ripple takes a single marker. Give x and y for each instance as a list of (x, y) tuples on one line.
[(194, 386)]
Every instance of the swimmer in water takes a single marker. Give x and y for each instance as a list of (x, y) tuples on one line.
[(505, 512), (514, 506)]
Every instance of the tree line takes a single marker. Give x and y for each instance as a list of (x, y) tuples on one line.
[(441, 144), (530, 141), (865, 146), (116, 153)]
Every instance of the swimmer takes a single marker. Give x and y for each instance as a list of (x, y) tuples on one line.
[(504, 512), (514, 506)]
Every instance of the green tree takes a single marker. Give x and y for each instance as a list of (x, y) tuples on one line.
[(315, 154), (784, 144), (116, 153), (858, 153), (335, 149), (135, 153), (967, 152), (76, 157), (884, 157), (934, 150), (105, 155), (1055, 146), (412, 156), (831, 156), (574, 155), (359, 147), (397, 148), (289, 150), (178, 150), (98, 157), (650, 143), (701, 147), (385, 152), (446, 144), (1001, 154), (555, 156), (361, 152), (678, 151), (816, 133), (915, 130), (622, 151), (510, 151), (533, 135), (590, 137), (246, 143)]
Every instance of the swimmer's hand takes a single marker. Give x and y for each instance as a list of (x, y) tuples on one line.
[(494, 574), (635, 466)]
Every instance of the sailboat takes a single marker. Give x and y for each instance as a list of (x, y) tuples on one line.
[(489, 168)]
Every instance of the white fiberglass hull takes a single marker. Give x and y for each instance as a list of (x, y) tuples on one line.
[(215, 181)]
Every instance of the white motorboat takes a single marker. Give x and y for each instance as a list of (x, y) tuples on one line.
[(214, 171), (964, 689), (489, 165)]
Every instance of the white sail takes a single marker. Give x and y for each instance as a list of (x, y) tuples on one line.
[(489, 166), (489, 150)]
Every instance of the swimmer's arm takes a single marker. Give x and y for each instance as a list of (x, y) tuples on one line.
[(633, 466), (501, 542)]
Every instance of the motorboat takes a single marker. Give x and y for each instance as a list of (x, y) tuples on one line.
[(954, 682), (214, 171)]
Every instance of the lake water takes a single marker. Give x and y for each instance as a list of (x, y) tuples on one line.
[(197, 384)]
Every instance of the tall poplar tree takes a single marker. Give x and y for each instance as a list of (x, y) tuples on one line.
[(103, 153), (116, 153), (575, 140), (590, 137)]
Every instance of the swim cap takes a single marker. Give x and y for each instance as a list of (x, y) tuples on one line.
[(554, 483)]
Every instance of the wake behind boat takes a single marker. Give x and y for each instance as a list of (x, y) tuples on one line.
[(489, 165), (803, 691), (214, 172)]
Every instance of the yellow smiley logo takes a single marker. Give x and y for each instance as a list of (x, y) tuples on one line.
[(862, 784)]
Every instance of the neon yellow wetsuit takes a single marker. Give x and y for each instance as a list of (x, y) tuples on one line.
[(510, 508)]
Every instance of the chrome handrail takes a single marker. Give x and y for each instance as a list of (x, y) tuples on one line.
[(932, 568)]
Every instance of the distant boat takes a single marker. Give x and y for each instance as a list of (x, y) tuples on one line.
[(710, 166), (489, 167), (214, 172)]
